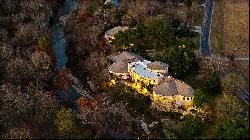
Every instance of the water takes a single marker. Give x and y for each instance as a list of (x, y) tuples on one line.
[(58, 42), (59, 46), (69, 98)]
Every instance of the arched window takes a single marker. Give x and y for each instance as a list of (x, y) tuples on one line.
[(187, 98)]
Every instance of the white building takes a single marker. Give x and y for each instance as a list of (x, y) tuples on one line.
[(139, 72), (167, 90), (110, 34), (120, 65), (127, 64)]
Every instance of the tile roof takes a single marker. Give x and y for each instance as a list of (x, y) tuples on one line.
[(111, 33), (167, 88), (170, 86), (119, 67), (126, 56), (157, 65)]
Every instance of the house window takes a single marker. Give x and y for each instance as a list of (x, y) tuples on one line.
[(187, 98), (183, 98)]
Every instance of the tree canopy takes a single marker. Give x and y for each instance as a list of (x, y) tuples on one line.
[(155, 33), (191, 126), (214, 83), (230, 118), (236, 127), (199, 97), (67, 124), (232, 84), (180, 60)]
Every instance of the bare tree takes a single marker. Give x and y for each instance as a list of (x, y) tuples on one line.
[(42, 65), (18, 71), (13, 104), (96, 67), (6, 52), (227, 106), (26, 34), (233, 83), (138, 10), (38, 10), (18, 133), (105, 117), (210, 65)]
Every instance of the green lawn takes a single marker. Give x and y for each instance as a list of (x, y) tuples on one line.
[(199, 16), (194, 82)]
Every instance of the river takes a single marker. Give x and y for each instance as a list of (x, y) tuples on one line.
[(59, 46), (58, 40)]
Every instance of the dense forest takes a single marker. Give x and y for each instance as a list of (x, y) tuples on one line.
[(31, 83)]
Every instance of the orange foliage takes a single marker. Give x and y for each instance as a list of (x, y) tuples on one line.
[(63, 72), (44, 46), (64, 81), (84, 17), (82, 102)]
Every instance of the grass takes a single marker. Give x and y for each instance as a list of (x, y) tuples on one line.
[(242, 69), (216, 28), (198, 16), (133, 100), (232, 20), (193, 81), (196, 41), (192, 15), (218, 41), (236, 27)]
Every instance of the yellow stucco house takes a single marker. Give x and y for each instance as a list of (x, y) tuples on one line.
[(173, 91), (143, 73)]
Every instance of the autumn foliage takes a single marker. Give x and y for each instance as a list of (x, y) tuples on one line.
[(64, 81), (84, 17), (44, 45), (83, 102)]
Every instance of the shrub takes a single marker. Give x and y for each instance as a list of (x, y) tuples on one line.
[(174, 115), (120, 14), (92, 8), (181, 61), (43, 43), (68, 125), (155, 33), (233, 128), (185, 31), (137, 101), (214, 83), (191, 126), (189, 3), (199, 97), (176, 22), (169, 134)]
